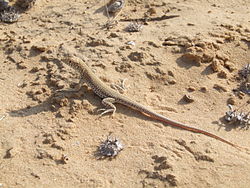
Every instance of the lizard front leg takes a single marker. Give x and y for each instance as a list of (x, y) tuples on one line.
[(110, 107)]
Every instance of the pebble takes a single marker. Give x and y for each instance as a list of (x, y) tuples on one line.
[(222, 74), (191, 89), (231, 101), (219, 88), (203, 89), (188, 98)]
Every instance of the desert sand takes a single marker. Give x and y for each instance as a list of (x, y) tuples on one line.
[(186, 68)]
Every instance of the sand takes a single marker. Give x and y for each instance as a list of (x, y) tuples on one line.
[(185, 68)]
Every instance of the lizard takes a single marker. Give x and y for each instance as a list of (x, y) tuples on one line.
[(110, 97)]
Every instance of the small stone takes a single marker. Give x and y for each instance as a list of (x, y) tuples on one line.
[(191, 89), (131, 43), (169, 43), (60, 114), (151, 11), (222, 74), (171, 81), (50, 65), (64, 159), (231, 101), (76, 106), (71, 120), (53, 108), (86, 105), (170, 73), (176, 49), (241, 94), (113, 35), (64, 102), (151, 43), (98, 42), (222, 56), (208, 56), (22, 85), (220, 41), (219, 88), (203, 89), (38, 92), (190, 24), (60, 84), (136, 56), (34, 69), (188, 98), (21, 65), (230, 66), (40, 47), (216, 65)]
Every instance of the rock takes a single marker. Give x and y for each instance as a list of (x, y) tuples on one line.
[(216, 65), (34, 69), (171, 81), (113, 35), (231, 101), (21, 65), (222, 74), (151, 11), (230, 66), (219, 88), (208, 56), (97, 42), (64, 102), (188, 98), (193, 57), (191, 89), (221, 56), (136, 56), (203, 89)]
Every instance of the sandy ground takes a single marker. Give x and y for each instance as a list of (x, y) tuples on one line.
[(197, 54)]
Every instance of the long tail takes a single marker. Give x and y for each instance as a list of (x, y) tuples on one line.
[(193, 129), (150, 113), (173, 123), (146, 111)]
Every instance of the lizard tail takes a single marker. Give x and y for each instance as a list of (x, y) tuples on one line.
[(163, 119)]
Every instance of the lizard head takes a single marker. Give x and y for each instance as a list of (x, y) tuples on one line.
[(71, 60), (75, 63)]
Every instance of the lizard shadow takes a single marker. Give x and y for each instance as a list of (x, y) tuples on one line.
[(53, 104), (57, 100), (44, 106)]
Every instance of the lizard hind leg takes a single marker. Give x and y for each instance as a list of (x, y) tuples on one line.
[(110, 107)]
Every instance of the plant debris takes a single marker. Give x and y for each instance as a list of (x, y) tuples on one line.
[(109, 148), (240, 118)]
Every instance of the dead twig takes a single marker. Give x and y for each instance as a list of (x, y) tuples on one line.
[(2, 117), (161, 18), (113, 9)]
